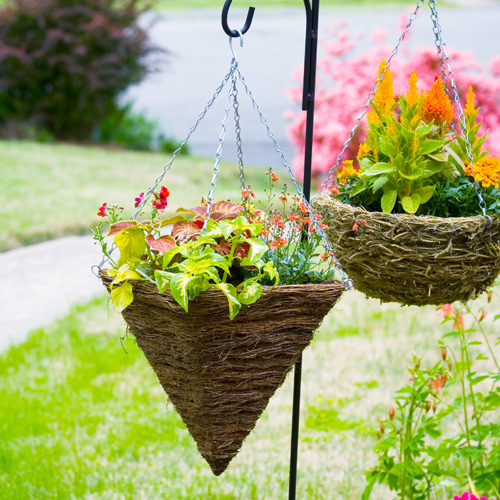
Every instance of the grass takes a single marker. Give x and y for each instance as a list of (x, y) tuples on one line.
[(52, 190), (83, 416)]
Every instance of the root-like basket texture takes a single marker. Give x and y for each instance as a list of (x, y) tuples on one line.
[(413, 260), (220, 374)]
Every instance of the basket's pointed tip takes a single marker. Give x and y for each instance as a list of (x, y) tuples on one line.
[(218, 466)]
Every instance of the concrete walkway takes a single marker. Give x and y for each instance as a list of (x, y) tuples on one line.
[(40, 282)]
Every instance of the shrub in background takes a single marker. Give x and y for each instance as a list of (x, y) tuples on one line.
[(134, 130), (344, 83), (64, 62)]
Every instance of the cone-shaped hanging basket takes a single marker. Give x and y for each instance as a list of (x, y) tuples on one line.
[(218, 373), (413, 260)]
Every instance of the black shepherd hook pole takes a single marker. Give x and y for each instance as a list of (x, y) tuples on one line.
[(225, 26), (312, 15), (309, 88)]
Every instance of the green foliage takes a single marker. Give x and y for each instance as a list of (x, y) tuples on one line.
[(64, 64), (132, 130), (406, 158), (418, 453)]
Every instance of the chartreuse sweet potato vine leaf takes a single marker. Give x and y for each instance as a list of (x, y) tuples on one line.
[(122, 296)]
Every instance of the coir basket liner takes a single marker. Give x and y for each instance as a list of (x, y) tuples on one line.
[(413, 260), (218, 373)]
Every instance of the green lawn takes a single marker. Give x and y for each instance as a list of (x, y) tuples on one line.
[(51, 190), (83, 416)]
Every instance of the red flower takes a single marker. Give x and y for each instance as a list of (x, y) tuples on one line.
[(138, 200), (334, 189), (355, 227), (160, 201), (102, 210), (274, 177), (246, 193), (303, 208)]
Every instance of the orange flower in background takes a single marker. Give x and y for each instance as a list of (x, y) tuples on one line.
[(384, 95), (437, 106), (486, 171)]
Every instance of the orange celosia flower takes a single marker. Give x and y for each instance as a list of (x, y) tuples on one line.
[(384, 95), (437, 106), (486, 171)]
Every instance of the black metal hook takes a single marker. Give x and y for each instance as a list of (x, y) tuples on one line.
[(225, 26)]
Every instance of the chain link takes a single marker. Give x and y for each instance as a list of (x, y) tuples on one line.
[(349, 282), (461, 118), (364, 109), (218, 154), (237, 130)]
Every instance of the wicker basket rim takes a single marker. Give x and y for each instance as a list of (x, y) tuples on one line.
[(332, 282), (479, 219)]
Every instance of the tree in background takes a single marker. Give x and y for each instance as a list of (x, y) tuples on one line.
[(63, 63), (344, 82)]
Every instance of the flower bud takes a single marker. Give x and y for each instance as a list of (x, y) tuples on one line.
[(434, 407), (428, 406), (482, 316), (382, 427), (417, 365), (450, 365), (444, 353), (392, 412), (490, 296)]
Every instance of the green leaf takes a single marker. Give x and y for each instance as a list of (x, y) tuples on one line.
[(379, 182), (271, 271), (132, 243), (389, 200), (230, 292), (377, 169), (257, 249), (122, 296), (214, 230), (429, 146), (425, 193), (122, 274), (173, 220), (179, 287), (227, 229), (167, 258), (250, 293), (163, 279), (411, 203), (415, 174)]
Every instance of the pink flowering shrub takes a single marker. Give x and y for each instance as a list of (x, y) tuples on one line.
[(344, 83), (468, 496)]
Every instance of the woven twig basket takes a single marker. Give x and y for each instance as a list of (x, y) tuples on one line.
[(220, 374), (413, 260)]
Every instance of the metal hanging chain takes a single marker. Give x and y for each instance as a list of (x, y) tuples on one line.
[(237, 130), (441, 46), (371, 95), (167, 166), (349, 282), (218, 154)]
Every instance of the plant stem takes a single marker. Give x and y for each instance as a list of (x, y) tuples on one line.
[(487, 341)]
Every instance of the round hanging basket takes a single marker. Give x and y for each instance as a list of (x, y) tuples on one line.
[(220, 373), (413, 260)]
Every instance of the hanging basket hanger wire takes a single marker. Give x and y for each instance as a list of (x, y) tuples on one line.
[(446, 72)]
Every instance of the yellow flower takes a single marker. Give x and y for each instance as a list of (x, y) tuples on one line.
[(413, 96), (384, 95), (347, 172), (469, 104), (486, 171), (437, 106), (364, 150)]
